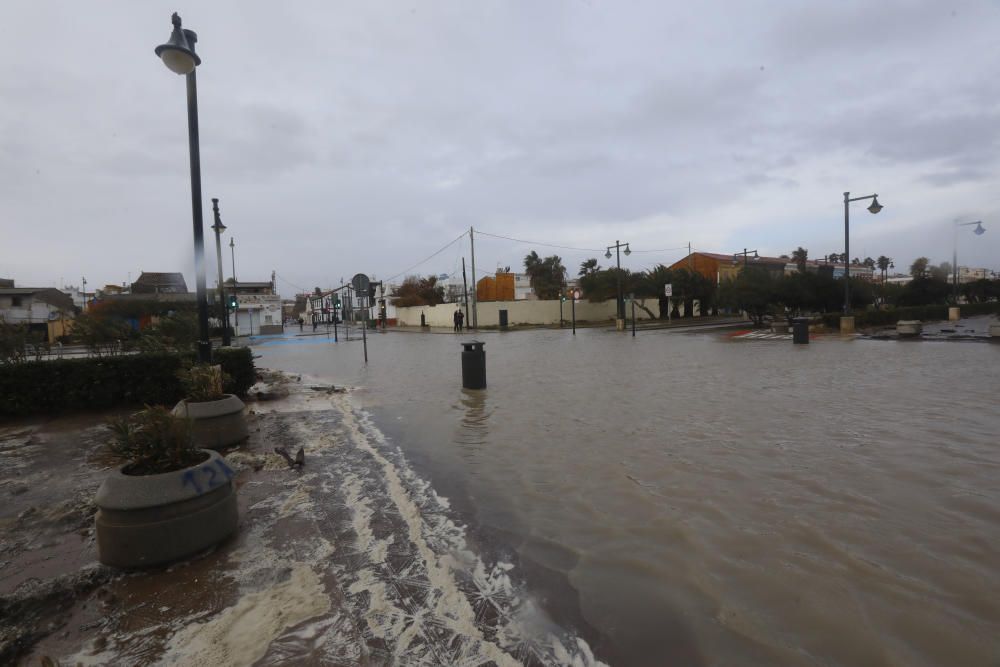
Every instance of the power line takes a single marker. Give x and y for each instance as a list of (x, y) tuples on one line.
[(427, 259), (683, 247), (548, 245), (300, 289)]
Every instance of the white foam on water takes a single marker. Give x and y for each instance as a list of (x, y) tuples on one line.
[(241, 634)]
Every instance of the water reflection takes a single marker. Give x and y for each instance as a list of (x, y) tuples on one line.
[(473, 426)]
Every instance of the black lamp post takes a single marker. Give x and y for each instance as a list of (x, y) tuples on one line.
[(978, 231), (236, 303), (218, 228), (179, 57), (618, 260), (873, 209)]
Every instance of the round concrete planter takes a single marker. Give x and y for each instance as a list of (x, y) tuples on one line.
[(215, 424), (145, 520)]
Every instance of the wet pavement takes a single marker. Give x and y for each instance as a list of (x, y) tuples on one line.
[(352, 559)]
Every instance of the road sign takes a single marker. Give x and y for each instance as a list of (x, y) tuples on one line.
[(360, 283), (668, 289), (576, 295)]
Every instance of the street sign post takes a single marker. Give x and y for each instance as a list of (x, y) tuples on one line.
[(668, 291)]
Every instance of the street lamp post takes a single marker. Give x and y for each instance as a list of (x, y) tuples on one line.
[(874, 208), (236, 308), (620, 305), (746, 256), (179, 57), (84, 282), (218, 228), (978, 231)]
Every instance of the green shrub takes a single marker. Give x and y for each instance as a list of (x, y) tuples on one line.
[(237, 363), (99, 383), (874, 318), (201, 383), (153, 441)]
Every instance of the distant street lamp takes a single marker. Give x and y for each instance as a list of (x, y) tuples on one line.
[(218, 228), (978, 231), (746, 256), (84, 281), (618, 260), (873, 209), (179, 57)]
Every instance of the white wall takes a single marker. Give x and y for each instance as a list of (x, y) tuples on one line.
[(524, 312)]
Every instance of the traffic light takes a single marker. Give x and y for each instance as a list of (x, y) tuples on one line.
[(233, 303), (371, 292), (336, 302), (562, 297)]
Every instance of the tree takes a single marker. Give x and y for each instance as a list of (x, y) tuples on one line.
[(547, 276), (883, 263), (752, 290), (942, 271), (800, 255), (416, 291), (588, 267), (919, 267)]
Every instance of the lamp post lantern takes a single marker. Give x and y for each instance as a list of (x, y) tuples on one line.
[(620, 309), (218, 228), (978, 231), (874, 208), (179, 57)]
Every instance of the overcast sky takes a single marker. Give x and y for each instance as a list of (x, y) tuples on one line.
[(363, 137)]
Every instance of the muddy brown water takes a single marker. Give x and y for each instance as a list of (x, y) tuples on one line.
[(700, 500)]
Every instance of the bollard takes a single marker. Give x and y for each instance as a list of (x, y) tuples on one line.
[(473, 365), (800, 331), (423, 320), (503, 319)]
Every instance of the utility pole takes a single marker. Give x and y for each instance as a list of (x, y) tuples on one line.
[(465, 291), (218, 228), (690, 266), (475, 299)]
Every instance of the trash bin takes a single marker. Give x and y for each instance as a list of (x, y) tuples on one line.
[(503, 319), (474, 364), (800, 331)]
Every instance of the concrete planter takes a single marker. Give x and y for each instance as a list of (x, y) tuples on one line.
[(909, 328), (215, 424), (145, 520), (995, 331)]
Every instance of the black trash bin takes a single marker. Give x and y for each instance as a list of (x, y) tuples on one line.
[(503, 319), (800, 331), (473, 365)]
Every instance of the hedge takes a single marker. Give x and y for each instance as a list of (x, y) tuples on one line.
[(99, 383), (923, 313)]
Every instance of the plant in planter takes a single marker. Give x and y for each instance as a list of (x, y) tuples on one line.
[(217, 419), (169, 501)]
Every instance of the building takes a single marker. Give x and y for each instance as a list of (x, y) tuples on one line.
[(159, 283), (45, 310), (258, 310)]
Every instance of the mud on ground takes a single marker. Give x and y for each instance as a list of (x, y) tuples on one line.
[(350, 560)]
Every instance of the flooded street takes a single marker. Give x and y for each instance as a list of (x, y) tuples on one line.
[(685, 498)]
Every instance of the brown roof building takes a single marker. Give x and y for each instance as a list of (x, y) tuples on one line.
[(160, 283)]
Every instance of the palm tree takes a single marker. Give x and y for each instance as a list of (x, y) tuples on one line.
[(800, 255), (588, 267), (883, 263)]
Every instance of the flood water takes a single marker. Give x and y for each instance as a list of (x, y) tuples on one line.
[(688, 499)]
